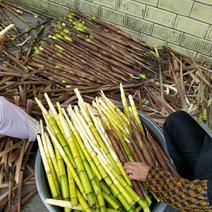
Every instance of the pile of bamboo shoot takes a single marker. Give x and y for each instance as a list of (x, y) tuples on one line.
[(83, 150), (89, 54)]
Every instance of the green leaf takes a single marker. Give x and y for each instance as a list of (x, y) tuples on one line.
[(66, 31), (59, 47), (142, 76), (68, 38), (93, 17)]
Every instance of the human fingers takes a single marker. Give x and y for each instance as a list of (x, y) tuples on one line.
[(129, 164), (132, 176), (129, 171), (132, 164)]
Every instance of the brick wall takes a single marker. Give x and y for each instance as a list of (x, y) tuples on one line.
[(185, 25)]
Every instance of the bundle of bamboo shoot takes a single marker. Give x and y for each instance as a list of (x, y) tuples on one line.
[(83, 149)]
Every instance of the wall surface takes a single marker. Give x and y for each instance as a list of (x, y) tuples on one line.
[(185, 25)]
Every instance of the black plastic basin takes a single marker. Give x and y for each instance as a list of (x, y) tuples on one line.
[(42, 184)]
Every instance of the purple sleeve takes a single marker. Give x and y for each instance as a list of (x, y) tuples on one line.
[(15, 122), (178, 192)]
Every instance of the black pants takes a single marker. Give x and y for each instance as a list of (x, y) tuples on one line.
[(190, 147)]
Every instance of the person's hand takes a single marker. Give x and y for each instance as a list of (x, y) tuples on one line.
[(137, 171)]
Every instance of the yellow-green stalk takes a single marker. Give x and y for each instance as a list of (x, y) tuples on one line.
[(83, 202), (114, 108), (50, 178), (59, 108), (104, 103), (90, 143), (120, 135), (105, 188), (121, 183), (85, 138), (83, 133), (111, 191), (103, 162), (82, 146), (115, 191), (116, 162), (85, 126), (55, 130), (63, 180), (112, 172), (94, 181), (105, 121), (78, 161), (63, 177), (138, 120), (148, 200), (111, 120), (93, 143), (66, 160), (64, 204), (49, 154), (133, 194), (115, 120), (127, 202), (88, 119), (113, 203), (135, 114), (119, 117), (127, 188), (112, 210), (124, 123), (138, 209), (72, 189), (96, 187), (53, 112), (52, 154), (55, 177), (124, 101), (88, 138), (100, 136), (88, 124)]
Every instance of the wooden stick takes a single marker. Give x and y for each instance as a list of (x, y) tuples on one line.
[(138, 136), (117, 147), (15, 146), (157, 151), (19, 163), (19, 191), (5, 30)]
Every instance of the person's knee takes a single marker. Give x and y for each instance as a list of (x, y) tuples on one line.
[(173, 126), (176, 118)]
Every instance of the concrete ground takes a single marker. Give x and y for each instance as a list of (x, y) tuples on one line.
[(34, 205)]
